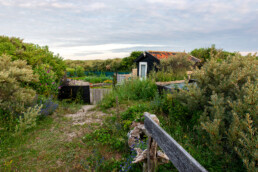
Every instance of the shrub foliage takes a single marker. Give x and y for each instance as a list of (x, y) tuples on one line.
[(227, 94), (15, 94), (38, 58), (171, 69)]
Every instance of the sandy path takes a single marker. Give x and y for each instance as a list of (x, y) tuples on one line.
[(86, 115)]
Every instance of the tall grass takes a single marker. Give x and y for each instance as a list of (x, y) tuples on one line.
[(131, 90), (167, 75)]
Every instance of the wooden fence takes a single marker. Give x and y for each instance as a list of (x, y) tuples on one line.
[(181, 159), (96, 95)]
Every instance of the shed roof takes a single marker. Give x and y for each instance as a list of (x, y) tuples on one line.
[(165, 54), (162, 54)]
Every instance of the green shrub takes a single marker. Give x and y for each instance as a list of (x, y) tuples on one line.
[(71, 72), (168, 75), (135, 112), (47, 84), (171, 69), (227, 94), (205, 54), (34, 55), (28, 119), (80, 71), (178, 64), (15, 94)]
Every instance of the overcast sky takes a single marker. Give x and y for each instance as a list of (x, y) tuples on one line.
[(90, 29)]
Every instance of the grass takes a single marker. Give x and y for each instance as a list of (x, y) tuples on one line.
[(49, 147), (94, 79), (130, 90), (103, 147)]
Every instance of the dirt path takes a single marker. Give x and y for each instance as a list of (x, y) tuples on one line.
[(86, 115)]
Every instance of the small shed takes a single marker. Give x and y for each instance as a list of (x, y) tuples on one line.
[(147, 60), (73, 90)]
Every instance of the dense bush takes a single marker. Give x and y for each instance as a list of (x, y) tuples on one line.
[(171, 69), (35, 56), (205, 53), (71, 72), (166, 75), (15, 94), (227, 95), (47, 84), (79, 71), (130, 90)]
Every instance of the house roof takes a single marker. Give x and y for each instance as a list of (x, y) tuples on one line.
[(165, 54)]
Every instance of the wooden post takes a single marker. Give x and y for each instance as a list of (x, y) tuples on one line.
[(181, 159), (152, 161), (152, 155)]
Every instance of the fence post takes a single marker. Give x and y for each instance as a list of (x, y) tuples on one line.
[(152, 162), (181, 159)]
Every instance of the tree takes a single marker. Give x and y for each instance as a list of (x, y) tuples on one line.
[(127, 63)]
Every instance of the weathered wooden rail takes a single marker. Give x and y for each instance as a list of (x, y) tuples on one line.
[(181, 159)]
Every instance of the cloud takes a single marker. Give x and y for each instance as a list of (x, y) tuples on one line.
[(74, 28), (101, 51)]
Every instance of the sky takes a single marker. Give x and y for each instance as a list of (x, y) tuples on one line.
[(101, 29)]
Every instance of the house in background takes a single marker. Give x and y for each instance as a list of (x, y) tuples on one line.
[(145, 62)]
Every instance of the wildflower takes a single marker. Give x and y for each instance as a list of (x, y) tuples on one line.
[(53, 83)]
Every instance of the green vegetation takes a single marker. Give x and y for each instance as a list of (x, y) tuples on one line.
[(15, 77), (97, 79), (215, 120), (226, 96), (49, 68), (34, 55), (171, 69), (29, 76), (205, 53), (130, 90), (25, 70)]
